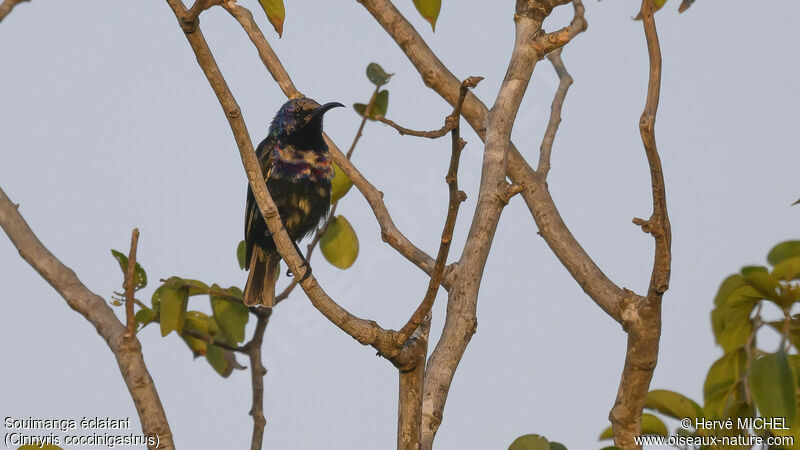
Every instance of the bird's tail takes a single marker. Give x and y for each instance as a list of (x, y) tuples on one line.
[(260, 287)]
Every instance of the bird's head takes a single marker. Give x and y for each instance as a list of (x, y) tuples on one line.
[(299, 123)]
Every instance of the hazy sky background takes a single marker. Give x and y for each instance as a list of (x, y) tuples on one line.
[(107, 123)]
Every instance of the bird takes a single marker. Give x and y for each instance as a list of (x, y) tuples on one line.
[(297, 168)]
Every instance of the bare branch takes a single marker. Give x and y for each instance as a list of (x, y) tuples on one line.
[(642, 318), (7, 6), (555, 113), (130, 284), (127, 351), (409, 403), (455, 199), (449, 125), (257, 371)]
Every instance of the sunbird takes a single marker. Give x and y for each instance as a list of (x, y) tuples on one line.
[(296, 166)]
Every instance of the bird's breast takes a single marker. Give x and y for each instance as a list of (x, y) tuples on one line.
[(301, 165)]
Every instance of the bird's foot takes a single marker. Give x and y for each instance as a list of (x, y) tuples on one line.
[(306, 274)]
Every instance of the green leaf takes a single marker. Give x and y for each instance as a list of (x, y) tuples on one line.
[(139, 275), (379, 106), (750, 269), (724, 385), (429, 10), (608, 433), (652, 425), (144, 316), (377, 75), (241, 252), (673, 404), (788, 269), (173, 302), (231, 317), (198, 322), (195, 287), (340, 185), (217, 359), (765, 283), (557, 446), (782, 251), (339, 244), (530, 442), (730, 318), (276, 13), (797, 202), (773, 386)]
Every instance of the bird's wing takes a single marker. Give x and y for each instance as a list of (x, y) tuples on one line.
[(252, 214)]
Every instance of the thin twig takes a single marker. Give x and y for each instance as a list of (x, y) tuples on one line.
[(257, 371), (130, 285), (367, 110), (7, 6), (565, 81), (456, 197), (448, 126)]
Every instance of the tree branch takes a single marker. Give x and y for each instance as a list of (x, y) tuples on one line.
[(7, 6), (257, 371), (642, 319), (565, 81), (130, 285), (127, 351), (409, 404)]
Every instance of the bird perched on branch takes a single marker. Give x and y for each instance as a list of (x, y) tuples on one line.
[(297, 168)]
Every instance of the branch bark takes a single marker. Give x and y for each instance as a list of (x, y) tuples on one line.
[(257, 371), (7, 6), (642, 317), (565, 81), (127, 351)]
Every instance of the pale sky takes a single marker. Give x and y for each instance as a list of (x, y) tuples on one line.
[(107, 123)]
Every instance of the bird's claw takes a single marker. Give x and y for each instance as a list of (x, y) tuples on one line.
[(306, 274)]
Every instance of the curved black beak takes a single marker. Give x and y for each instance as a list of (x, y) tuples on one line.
[(324, 108)]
